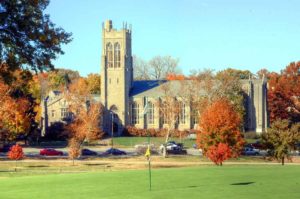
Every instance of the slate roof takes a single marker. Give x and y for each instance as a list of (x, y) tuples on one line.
[(154, 88)]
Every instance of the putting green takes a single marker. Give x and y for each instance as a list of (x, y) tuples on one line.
[(188, 183)]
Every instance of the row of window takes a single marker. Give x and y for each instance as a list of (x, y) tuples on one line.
[(113, 54), (182, 115), (64, 113)]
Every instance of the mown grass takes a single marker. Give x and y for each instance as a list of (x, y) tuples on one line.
[(132, 141), (192, 183)]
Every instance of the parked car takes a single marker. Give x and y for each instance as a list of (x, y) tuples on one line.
[(50, 152), (88, 152), (5, 148), (114, 151), (142, 148), (249, 151), (172, 145), (173, 148)]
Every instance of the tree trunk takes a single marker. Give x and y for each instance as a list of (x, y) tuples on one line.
[(282, 161), (221, 164), (165, 154)]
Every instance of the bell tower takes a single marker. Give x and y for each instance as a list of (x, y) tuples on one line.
[(116, 76)]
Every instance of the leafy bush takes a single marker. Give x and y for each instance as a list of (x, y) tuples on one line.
[(16, 152), (133, 131)]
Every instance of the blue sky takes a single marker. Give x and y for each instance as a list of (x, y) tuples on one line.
[(216, 34)]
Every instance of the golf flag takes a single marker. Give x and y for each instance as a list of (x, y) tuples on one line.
[(147, 154)]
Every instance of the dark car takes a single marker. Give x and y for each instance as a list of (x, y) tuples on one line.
[(88, 152), (173, 148), (113, 151), (50, 152), (249, 151), (5, 148)]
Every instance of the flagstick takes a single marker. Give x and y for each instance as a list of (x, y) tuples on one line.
[(149, 162)]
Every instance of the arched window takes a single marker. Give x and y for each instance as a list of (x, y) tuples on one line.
[(135, 113), (150, 113), (195, 117), (182, 113), (117, 55), (109, 55), (164, 113)]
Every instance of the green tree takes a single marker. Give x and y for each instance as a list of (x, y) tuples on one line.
[(28, 38), (281, 138)]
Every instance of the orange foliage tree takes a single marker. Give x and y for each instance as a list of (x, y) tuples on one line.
[(173, 76), (219, 136), (284, 94), (14, 116), (16, 152), (74, 149), (87, 113)]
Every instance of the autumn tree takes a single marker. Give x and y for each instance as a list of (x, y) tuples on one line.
[(219, 135), (74, 149), (16, 153), (15, 119), (284, 93), (93, 81), (169, 108), (203, 87), (173, 76), (281, 139), (87, 113), (240, 74), (28, 38)]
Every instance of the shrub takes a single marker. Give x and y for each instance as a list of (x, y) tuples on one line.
[(133, 131), (16, 152)]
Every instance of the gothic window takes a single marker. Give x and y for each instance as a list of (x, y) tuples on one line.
[(135, 113), (109, 55), (64, 113), (195, 117), (164, 114), (117, 56), (150, 113), (182, 113)]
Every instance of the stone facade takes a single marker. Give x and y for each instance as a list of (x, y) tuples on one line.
[(116, 76), (55, 109), (124, 99)]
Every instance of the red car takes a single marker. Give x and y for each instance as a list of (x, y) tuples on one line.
[(50, 152)]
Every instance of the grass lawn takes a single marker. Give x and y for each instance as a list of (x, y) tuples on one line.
[(131, 141), (188, 183)]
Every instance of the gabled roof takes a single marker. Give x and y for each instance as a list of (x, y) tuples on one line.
[(155, 88)]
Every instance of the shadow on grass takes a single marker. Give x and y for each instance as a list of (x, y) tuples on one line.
[(37, 166), (96, 164), (4, 171), (242, 183), (193, 186)]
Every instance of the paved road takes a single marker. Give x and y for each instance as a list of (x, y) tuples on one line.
[(34, 152)]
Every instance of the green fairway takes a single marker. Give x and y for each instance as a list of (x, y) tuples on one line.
[(189, 183)]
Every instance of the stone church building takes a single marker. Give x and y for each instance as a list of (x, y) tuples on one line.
[(125, 99)]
